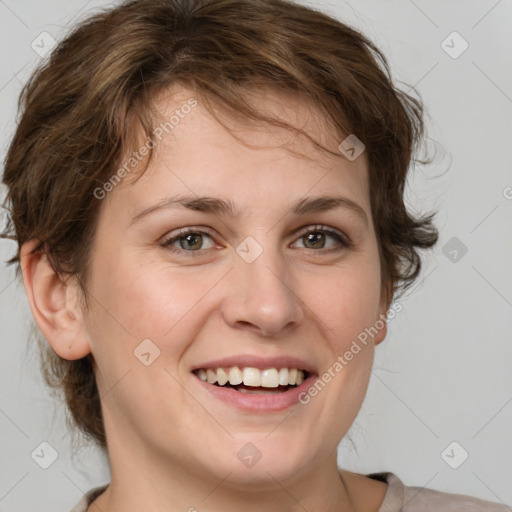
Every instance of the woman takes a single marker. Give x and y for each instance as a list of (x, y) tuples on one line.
[(207, 198)]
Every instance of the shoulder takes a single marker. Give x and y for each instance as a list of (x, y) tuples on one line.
[(88, 498), (400, 497), (417, 498)]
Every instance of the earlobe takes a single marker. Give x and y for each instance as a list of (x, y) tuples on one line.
[(54, 304), (382, 323)]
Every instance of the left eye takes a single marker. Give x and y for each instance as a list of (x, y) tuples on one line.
[(316, 238), (313, 238)]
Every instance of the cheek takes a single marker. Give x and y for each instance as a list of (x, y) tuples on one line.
[(136, 300), (131, 294), (347, 302), (346, 311)]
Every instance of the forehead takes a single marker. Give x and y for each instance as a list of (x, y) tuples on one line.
[(195, 154), (289, 107)]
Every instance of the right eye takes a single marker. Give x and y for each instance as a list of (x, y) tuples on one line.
[(189, 240)]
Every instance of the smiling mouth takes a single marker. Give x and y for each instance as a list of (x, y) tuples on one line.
[(253, 381)]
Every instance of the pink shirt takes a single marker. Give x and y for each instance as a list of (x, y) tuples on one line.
[(399, 498)]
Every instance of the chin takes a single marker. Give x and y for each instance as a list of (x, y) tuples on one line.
[(257, 461)]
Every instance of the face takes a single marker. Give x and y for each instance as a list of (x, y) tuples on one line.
[(179, 288)]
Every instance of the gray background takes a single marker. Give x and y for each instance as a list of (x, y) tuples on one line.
[(443, 373)]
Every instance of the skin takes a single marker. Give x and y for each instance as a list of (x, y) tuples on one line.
[(170, 445)]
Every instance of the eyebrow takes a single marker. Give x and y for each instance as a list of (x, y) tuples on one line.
[(226, 207)]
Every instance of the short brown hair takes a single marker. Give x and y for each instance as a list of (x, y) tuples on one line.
[(77, 106)]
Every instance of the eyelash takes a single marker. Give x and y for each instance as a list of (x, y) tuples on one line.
[(342, 239)]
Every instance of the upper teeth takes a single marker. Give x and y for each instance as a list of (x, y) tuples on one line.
[(268, 378)]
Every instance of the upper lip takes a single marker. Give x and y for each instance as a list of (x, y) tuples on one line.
[(252, 361)]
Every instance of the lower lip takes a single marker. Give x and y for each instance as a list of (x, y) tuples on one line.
[(260, 402)]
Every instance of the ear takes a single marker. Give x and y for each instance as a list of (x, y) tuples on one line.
[(381, 322), (54, 303)]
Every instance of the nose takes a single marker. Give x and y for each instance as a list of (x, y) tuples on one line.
[(260, 296)]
